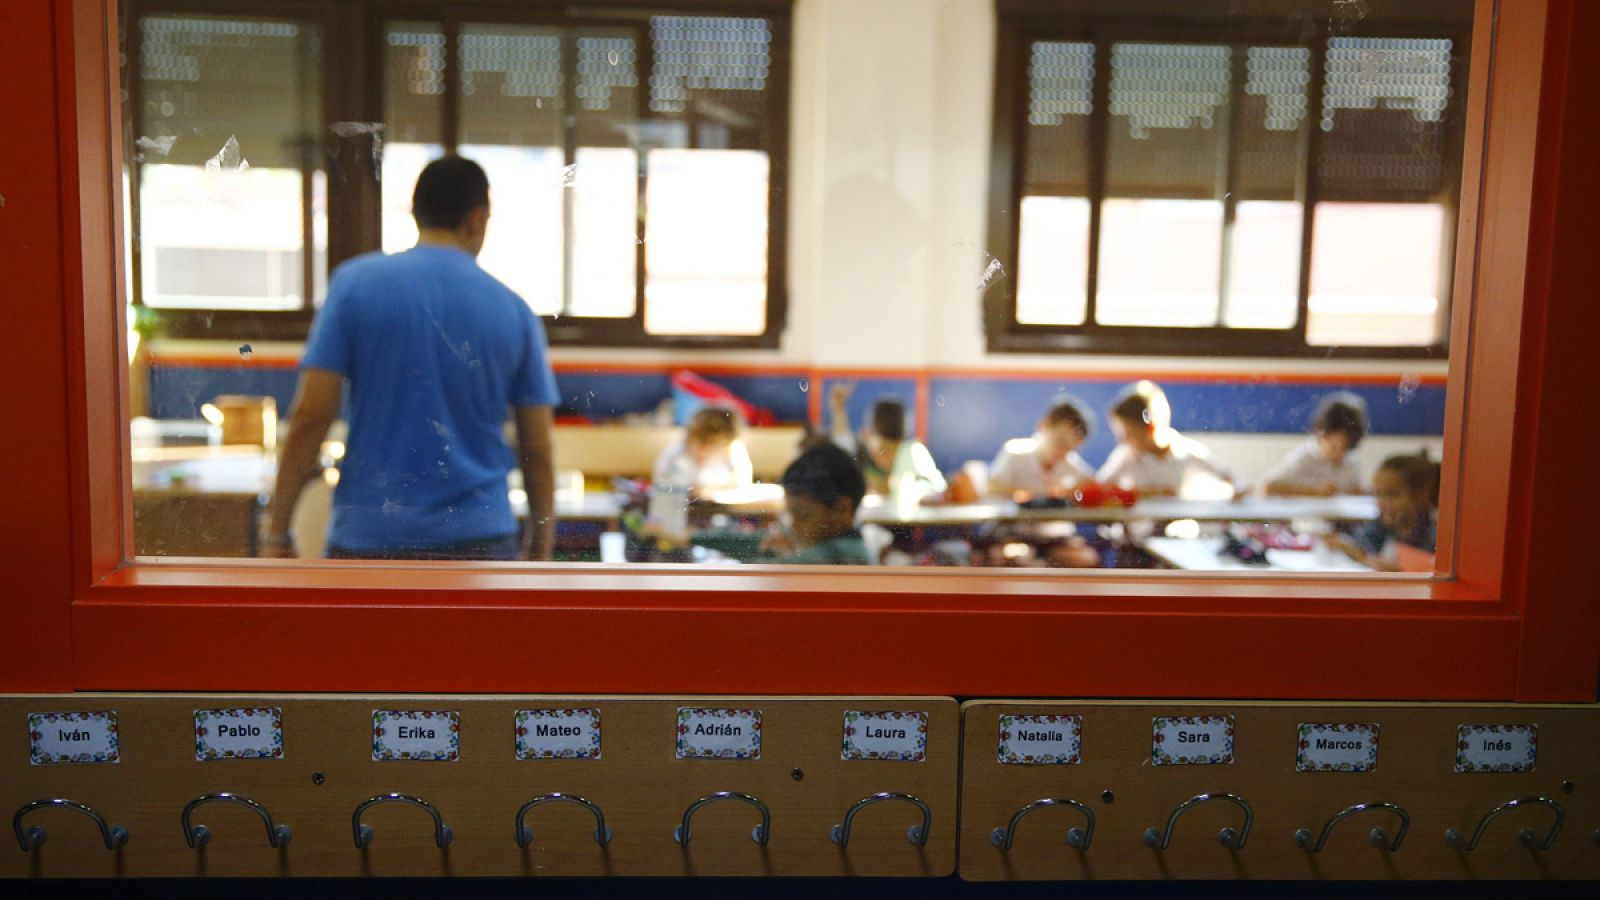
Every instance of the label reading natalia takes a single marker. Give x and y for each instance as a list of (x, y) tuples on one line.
[(898, 736), (1192, 740), (240, 733), (433, 735), (719, 733), (73, 737), (1336, 747), (558, 734), (1497, 748), (1041, 740)]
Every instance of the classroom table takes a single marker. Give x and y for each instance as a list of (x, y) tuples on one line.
[(1352, 508), (1202, 555)]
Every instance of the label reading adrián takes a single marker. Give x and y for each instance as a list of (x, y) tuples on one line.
[(1336, 747), (73, 737), (433, 735), (558, 734), (1497, 748), (1192, 741), (719, 733), (897, 736), (1041, 740), (238, 733)]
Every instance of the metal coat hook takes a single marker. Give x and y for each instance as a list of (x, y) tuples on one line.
[(760, 834), (1378, 837), (1527, 836), (113, 835), (197, 836), (602, 834), (442, 835), (916, 834), (1159, 840), (1076, 837)]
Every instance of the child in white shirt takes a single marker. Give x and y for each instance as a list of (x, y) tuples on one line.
[(709, 458), (1048, 463), (1326, 463), (1151, 457)]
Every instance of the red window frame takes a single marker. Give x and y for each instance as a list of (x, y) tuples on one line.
[(1517, 620)]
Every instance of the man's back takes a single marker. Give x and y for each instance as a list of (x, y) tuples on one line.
[(435, 352)]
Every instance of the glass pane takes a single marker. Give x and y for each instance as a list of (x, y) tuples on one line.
[(1053, 262), (1376, 272), (1160, 262), (706, 242), (525, 242), (605, 233), (1264, 265)]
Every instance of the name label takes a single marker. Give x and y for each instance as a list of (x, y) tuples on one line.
[(1337, 747), (432, 735), (1497, 748), (238, 733), (1041, 740), (719, 733), (73, 737), (897, 736), (1192, 741), (558, 734)]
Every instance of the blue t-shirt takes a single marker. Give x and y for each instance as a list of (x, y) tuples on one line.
[(434, 352)]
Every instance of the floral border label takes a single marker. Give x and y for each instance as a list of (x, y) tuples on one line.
[(1497, 748), (73, 737), (897, 736), (718, 733), (254, 732), (1336, 747), (558, 733), (1040, 740), (1192, 741), (433, 735)]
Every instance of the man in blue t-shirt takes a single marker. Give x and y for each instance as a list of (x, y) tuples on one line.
[(436, 353)]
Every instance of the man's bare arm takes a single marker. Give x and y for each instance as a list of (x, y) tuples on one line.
[(316, 405), (536, 458)]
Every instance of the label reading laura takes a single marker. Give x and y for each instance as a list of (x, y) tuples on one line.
[(719, 733), (433, 735), (898, 736), (239, 733), (72, 737), (558, 734), (1192, 741), (1041, 740), (1337, 747), (1497, 748)]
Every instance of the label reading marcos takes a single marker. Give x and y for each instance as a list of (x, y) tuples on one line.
[(238, 733), (402, 734), (1192, 740), (1336, 747), (1040, 740), (897, 736), (73, 737), (718, 733), (558, 733), (1497, 748)]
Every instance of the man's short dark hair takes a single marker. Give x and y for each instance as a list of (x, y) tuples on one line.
[(448, 189), (1343, 413), (888, 419), (824, 474), (1070, 411)]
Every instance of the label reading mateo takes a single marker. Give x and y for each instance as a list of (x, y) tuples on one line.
[(1192, 741), (1337, 747), (1041, 740), (898, 736), (719, 733), (1497, 748), (433, 735), (73, 737), (558, 734), (241, 733)]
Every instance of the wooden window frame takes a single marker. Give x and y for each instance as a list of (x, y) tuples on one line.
[(1024, 22), (355, 32), (1515, 620)]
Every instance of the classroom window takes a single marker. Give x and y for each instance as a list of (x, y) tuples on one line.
[(1237, 186)]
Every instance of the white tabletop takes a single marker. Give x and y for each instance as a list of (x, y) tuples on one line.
[(1201, 555)]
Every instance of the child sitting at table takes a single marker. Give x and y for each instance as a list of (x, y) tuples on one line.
[(1048, 463), (1151, 457), (1326, 463), (709, 458), (822, 489), (1407, 493), (891, 462)]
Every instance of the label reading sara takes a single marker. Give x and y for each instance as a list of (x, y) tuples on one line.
[(240, 733), (433, 735), (899, 736), (558, 734), (1497, 748), (72, 737), (719, 733), (1192, 741), (1337, 747), (1041, 740)]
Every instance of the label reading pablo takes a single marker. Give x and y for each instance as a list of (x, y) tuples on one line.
[(719, 733), (73, 737), (1337, 747), (1497, 748), (433, 735), (1041, 740), (558, 734), (239, 733), (1192, 741), (899, 736)]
